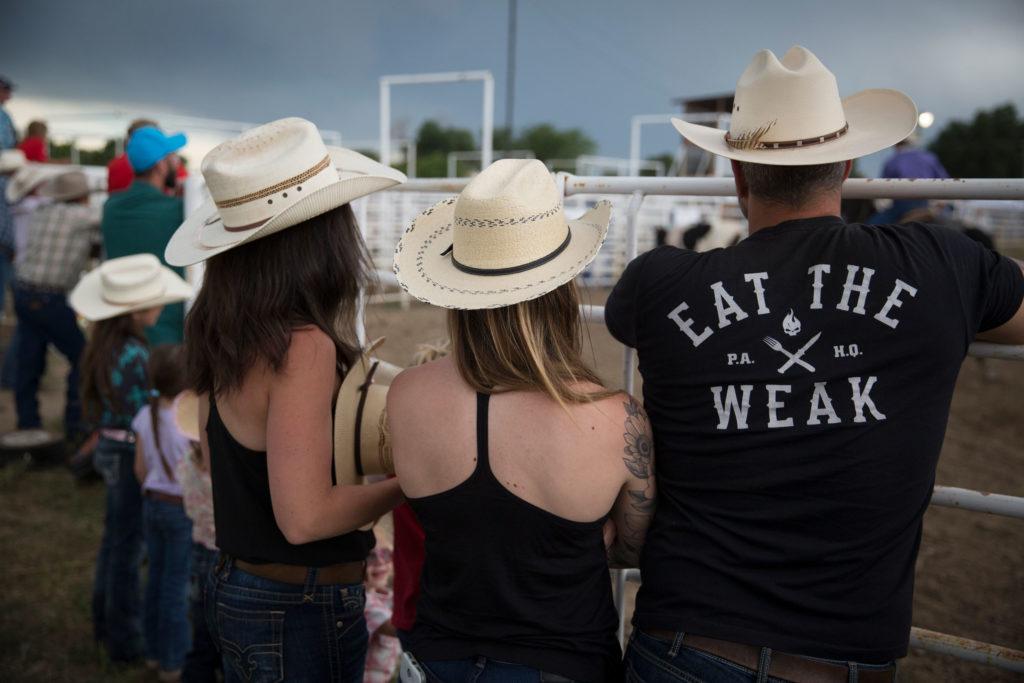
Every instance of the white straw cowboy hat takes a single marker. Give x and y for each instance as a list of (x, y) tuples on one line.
[(28, 178), (789, 113), (502, 241), (271, 178), (186, 414), (126, 284), (361, 446), (67, 186), (11, 160)]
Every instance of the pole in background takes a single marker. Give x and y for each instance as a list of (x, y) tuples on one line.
[(510, 78)]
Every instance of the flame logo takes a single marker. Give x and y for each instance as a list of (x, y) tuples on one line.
[(790, 324)]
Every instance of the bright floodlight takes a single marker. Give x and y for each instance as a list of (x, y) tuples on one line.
[(925, 119)]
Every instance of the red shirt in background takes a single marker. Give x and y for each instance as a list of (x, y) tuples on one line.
[(35, 149), (120, 174), (408, 559)]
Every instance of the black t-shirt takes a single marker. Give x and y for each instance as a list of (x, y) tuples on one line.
[(799, 385)]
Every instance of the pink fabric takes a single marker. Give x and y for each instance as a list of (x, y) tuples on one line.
[(383, 651), (198, 494)]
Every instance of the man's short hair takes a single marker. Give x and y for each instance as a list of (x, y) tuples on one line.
[(792, 185), (140, 123), (36, 129)]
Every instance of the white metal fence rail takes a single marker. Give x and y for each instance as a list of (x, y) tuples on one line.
[(638, 187)]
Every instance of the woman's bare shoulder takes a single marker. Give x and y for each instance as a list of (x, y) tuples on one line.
[(412, 384)]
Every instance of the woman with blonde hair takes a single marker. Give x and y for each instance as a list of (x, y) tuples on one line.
[(268, 340), (510, 451)]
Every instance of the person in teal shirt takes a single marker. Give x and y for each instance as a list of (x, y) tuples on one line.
[(142, 218)]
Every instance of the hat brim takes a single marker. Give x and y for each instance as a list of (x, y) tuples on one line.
[(345, 413), (28, 178), (358, 177), (87, 296), (878, 118), (426, 272)]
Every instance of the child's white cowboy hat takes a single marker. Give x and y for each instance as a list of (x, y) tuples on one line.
[(126, 284), (270, 178), (502, 241), (789, 113)]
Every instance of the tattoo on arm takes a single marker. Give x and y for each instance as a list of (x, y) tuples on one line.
[(639, 460)]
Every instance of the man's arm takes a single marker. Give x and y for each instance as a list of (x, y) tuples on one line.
[(1010, 332), (634, 507)]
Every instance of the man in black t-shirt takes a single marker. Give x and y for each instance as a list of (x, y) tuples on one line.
[(798, 385)]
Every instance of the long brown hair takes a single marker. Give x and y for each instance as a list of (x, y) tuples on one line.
[(167, 379), (255, 295), (536, 344), (106, 338)]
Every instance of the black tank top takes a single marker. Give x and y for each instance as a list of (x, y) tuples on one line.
[(505, 579), (244, 517)]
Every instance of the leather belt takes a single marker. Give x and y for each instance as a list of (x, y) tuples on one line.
[(785, 666), (344, 572), (163, 497)]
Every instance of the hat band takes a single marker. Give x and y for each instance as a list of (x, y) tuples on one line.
[(513, 269), (364, 390), (274, 189), (753, 140)]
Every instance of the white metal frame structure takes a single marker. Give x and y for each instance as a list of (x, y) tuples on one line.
[(637, 122), (487, 132), (945, 496)]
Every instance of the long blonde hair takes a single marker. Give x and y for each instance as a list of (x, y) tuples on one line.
[(536, 344)]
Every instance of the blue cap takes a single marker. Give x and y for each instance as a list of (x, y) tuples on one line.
[(149, 145)]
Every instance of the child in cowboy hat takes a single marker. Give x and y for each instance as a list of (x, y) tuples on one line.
[(120, 299), (270, 336), (510, 451)]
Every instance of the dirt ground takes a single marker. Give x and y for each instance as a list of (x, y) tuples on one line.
[(970, 572)]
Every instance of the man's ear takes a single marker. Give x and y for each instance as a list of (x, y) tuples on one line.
[(848, 170), (741, 180)]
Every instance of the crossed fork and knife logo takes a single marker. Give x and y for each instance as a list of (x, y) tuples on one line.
[(794, 358)]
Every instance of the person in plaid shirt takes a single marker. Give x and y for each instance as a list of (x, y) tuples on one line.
[(61, 238)]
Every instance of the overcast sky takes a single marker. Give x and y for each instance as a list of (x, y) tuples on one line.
[(585, 63)]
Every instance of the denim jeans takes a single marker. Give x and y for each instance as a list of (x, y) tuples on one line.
[(8, 373), (116, 599), (272, 631), (653, 660), (168, 533), (43, 319), (486, 670), (203, 660)]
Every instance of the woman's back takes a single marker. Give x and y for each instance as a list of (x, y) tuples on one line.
[(513, 492)]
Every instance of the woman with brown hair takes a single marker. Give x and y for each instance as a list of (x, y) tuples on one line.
[(510, 451), (268, 340)]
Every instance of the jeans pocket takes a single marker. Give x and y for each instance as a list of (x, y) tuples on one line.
[(252, 642), (108, 465)]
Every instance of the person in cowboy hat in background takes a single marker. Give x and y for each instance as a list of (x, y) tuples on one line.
[(60, 240), (141, 219), (511, 452), (271, 334), (120, 299), (798, 385)]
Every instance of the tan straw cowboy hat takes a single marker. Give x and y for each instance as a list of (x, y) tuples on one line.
[(29, 177), (361, 445), (67, 186), (186, 414), (271, 178), (789, 113), (126, 284), (11, 160), (502, 241)]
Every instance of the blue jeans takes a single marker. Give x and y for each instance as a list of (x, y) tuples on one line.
[(45, 318), (272, 631), (116, 599), (203, 660), (653, 660), (165, 610), (485, 670)]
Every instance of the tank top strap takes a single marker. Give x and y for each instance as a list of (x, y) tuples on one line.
[(483, 463)]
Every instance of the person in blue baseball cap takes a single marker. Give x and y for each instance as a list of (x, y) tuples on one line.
[(142, 218)]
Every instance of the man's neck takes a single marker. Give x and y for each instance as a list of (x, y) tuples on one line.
[(761, 215)]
